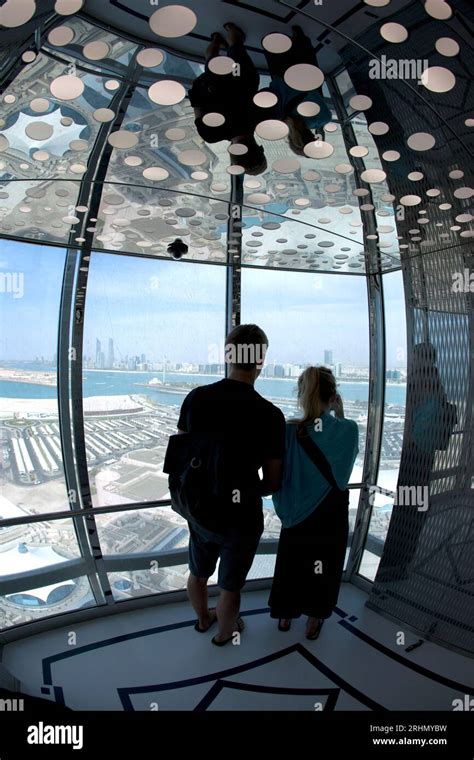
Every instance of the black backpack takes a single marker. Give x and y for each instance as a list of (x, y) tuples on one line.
[(199, 466)]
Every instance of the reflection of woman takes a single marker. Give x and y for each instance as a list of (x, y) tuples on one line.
[(312, 504), (231, 96), (427, 430), (289, 99)]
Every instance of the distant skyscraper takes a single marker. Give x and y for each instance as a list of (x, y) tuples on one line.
[(327, 357), (98, 350), (110, 355)]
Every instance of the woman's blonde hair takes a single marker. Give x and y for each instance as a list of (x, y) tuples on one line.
[(316, 386)]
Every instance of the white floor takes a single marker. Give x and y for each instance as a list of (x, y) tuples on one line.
[(153, 659)]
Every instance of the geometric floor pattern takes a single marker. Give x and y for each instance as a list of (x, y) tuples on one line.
[(152, 659)]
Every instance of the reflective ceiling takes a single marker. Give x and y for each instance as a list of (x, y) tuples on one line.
[(93, 156)]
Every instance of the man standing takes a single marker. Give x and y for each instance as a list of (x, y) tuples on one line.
[(256, 429)]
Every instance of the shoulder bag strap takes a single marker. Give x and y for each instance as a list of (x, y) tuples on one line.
[(316, 455)]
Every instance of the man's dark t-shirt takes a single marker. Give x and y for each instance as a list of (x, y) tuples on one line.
[(257, 431)]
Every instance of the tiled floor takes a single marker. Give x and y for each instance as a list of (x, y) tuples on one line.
[(152, 659)]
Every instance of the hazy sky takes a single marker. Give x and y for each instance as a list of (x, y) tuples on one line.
[(176, 309)]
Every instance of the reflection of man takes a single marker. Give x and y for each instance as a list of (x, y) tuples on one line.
[(231, 96), (300, 126), (426, 431)]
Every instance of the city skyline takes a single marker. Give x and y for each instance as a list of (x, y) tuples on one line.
[(132, 299)]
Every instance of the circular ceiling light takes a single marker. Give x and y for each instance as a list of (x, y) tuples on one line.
[(111, 85), (272, 129), (444, 206), (307, 108), (10, 98), (360, 102), (133, 160), (469, 122), (421, 141), (302, 202), (173, 21), (221, 65), (15, 13), (438, 79), (122, 139), (259, 198), (4, 144), (67, 87), (68, 7), (331, 127), (28, 56), (41, 155), (447, 46), (199, 176), (433, 192), (104, 115), (360, 192), (276, 43), (96, 51), (378, 128), (377, 3), (438, 9), (150, 57), (286, 165), (463, 192), (192, 157), (265, 99), (318, 149), (304, 77), (456, 174), (237, 149), (391, 155), (39, 130), (167, 92), (213, 119), (78, 145), (66, 121), (373, 175), (344, 168), (410, 200), (393, 32), (62, 35), (359, 151), (175, 134), (415, 176), (155, 173), (39, 105), (235, 169), (311, 175), (78, 168)]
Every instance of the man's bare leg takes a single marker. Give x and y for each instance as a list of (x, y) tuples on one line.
[(227, 611), (197, 593)]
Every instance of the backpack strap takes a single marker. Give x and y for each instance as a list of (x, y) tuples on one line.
[(316, 455)]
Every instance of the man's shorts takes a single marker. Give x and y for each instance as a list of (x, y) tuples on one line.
[(236, 556)]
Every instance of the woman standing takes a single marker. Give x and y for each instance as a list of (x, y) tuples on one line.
[(313, 504)]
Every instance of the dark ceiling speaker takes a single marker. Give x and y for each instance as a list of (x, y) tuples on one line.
[(177, 248)]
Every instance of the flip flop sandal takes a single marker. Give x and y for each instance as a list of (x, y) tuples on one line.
[(198, 628), (240, 627), (282, 627)]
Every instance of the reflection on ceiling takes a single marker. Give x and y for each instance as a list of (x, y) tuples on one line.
[(359, 200)]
